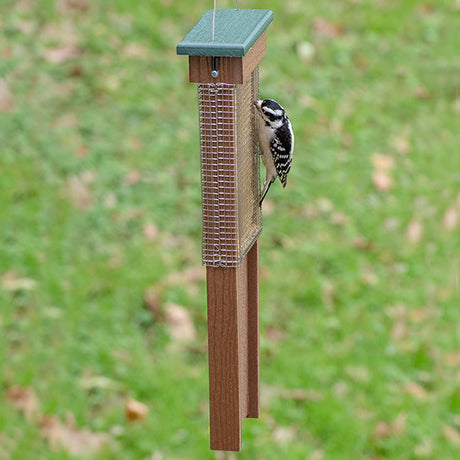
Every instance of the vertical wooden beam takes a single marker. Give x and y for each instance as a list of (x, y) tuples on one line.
[(223, 346), (233, 340), (253, 332)]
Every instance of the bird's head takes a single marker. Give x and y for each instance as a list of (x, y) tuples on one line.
[(271, 112)]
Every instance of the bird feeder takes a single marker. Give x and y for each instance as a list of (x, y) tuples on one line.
[(224, 49)]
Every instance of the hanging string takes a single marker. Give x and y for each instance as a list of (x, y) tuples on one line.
[(214, 19), (214, 16)]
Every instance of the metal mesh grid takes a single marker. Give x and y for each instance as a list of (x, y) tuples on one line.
[(229, 171)]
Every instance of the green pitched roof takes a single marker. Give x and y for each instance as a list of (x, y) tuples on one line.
[(234, 34)]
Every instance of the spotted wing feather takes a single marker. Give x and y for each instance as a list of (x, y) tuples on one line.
[(282, 146)]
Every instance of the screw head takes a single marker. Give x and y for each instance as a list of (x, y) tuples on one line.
[(214, 74)]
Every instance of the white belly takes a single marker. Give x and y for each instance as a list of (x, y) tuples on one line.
[(265, 134)]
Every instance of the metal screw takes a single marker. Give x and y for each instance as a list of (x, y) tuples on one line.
[(214, 74)]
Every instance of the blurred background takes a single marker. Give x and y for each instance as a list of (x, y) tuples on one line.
[(103, 342)]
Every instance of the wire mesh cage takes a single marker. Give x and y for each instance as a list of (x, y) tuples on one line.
[(230, 183)]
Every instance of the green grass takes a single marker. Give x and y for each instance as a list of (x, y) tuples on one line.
[(356, 314)]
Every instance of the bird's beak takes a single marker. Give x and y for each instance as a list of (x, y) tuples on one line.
[(257, 104)]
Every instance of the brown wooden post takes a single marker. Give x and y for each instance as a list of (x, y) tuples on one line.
[(231, 215)]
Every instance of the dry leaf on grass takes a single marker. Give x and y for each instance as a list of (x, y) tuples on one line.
[(135, 411), (78, 192), (135, 51), (133, 177), (450, 219), (324, 28), (284, 434), (396, 428), (61, 54), (68, 437), (12, 282), (180, 324), (416, 390), (191, 274), (383, 165), (6, 97), (24, 400), (65, 6), (402, 143), (451, 434), (383, 162), (150, 231), (414, 232), (152, 302)]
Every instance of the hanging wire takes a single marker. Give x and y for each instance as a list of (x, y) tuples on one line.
[(214, 16), (214, 19)]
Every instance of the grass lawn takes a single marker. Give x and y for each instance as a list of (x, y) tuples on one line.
[(102, 297)]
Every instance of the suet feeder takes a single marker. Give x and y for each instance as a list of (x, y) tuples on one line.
[(224, 49)]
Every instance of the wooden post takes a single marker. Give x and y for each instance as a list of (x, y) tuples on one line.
[(233, 338), (232, 280)]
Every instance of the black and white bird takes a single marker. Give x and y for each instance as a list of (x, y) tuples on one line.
[(276, 142)]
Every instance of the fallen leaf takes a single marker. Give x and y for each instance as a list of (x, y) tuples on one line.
[(64, 6), (68, 437), (274, 334), (450, 219), (26, 26), (284, 434), (368, 275), (12, 282), (456, 103), (78, 192), (359, 242), (340, 388), (396, 428), (425, 8), (451, 434), (150, 231), (7, 103), (383, 162), (317, 454), (358, 373), (415, 390), (421, 93), (339, 218), (382, 181), (152, 302), (62, 53), (191, 274), (132, 177), (24, 400), (414, 232), (306, 51), (424, 450), (402, 143), (92, 382), (135, 411), (391, 223), (382, 430), (328, 294), (324, 28), (399, 330), (181, 327), (135, 51)]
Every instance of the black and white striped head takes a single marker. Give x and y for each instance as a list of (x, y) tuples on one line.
[(271, 112)]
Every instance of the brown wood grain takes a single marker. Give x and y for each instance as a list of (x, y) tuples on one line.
[(231, 69), (233, 342), (253, 332), (224, 375)]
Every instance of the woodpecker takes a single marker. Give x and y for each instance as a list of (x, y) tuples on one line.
[(276, 142)]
